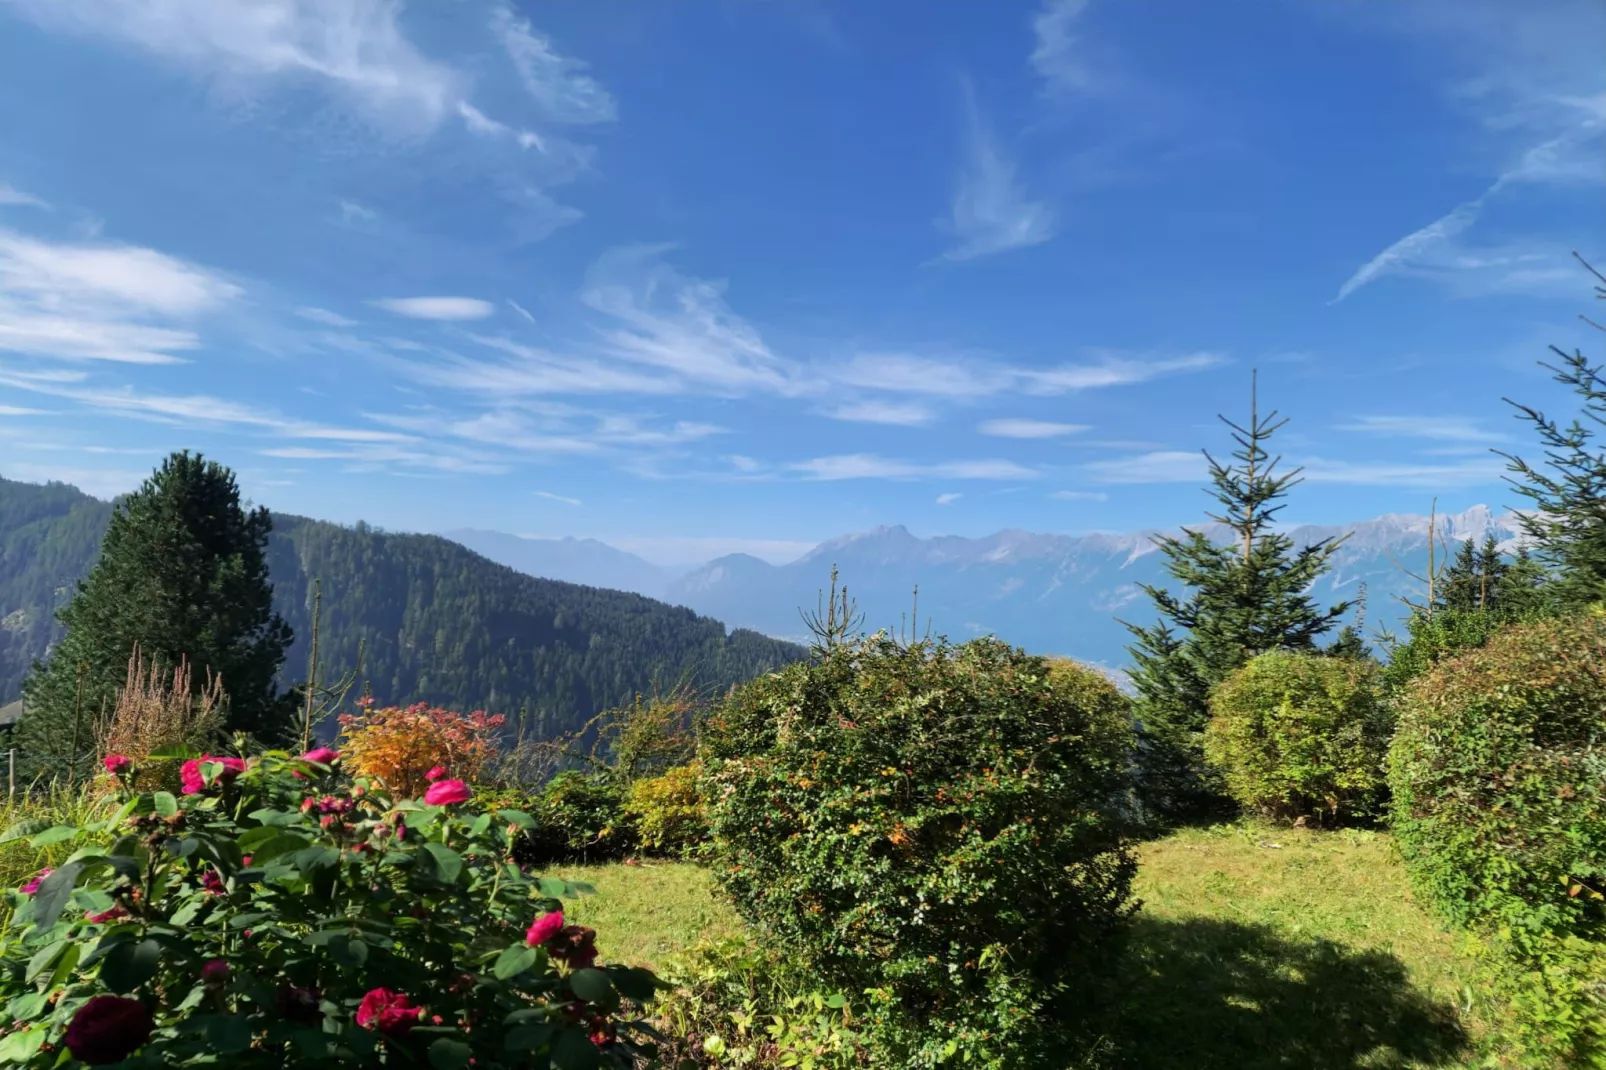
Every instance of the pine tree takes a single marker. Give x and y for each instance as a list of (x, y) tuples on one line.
[(1461, 586), (1568, 489), (1242, 599), (1522, 588), (182, 572)]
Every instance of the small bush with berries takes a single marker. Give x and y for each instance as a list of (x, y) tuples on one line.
[(276, 913)]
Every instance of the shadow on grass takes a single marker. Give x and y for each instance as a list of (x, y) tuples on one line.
[(1200, 993)]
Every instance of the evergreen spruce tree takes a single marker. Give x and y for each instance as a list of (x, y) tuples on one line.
[(1240, 599), (1462, 586), (1568, 489), (182, 573)]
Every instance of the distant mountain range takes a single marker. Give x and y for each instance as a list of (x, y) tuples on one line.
[(436, 622), (1052, 594)]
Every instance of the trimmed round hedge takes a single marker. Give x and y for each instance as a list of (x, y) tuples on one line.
[(1498, 773), (1300, 735), (935, 826)]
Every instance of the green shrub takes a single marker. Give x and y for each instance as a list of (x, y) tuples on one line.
[(278, 915), (668, 813), (1447, 632), (1498, 771), (579, 817), (1300, 735), (931, 827)]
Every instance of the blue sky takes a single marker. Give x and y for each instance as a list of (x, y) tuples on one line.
[(706, 276)]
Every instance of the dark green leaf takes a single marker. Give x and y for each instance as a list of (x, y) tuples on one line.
[(65, 966), (228, 1034), (448, 863), (573, 1050), (282, 843), (527, 1037), (514, 961), (44, 959), (165, 804), (129, 965), (634, 983), (54, 834), (517, 817), (245, 921), (53, 892), (448, 1054), (273, 817), (25, 828), (553, 888), (318, 856), (590, 985)]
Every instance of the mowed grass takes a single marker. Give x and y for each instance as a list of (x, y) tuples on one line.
[(646, 913), (1256, 948), (1267, 947)]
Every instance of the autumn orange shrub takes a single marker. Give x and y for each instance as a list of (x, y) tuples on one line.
[(401, 745)]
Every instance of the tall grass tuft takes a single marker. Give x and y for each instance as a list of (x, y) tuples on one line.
[(56, 804), (156, 709)]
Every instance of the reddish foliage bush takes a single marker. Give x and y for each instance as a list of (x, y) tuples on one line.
[(402, 746)]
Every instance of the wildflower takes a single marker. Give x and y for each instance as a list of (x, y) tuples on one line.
[(116, 764), (108, 1029), (435, 773), (446, 792), (544, 928), (33, 885), (215, 973), (391, 1013)]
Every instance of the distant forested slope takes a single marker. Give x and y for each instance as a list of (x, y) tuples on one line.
[(438, 622)]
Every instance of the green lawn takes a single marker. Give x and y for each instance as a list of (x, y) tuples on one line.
[(1256, 948)]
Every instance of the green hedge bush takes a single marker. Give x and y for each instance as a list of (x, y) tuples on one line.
[(1498, 772), (932, 829), (1300, 735), (579, 817), (280, 915), (667, 811)]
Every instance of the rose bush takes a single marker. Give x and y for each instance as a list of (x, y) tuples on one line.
[(284, 915)]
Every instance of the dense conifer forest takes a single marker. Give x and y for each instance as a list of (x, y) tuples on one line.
[(437, 622)]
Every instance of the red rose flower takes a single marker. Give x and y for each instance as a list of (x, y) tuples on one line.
[(447, 792), (576, 945), (105, 916), (212, 882), (321, 755), (108, 1029), (215, 972), (391, 1013), (544, 928), (435, 774), (194, 783), (33, 885), (116, 764)]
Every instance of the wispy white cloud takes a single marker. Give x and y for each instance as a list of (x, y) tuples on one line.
[(436, 308), (558, 84), (521, 310), (1018, 427), (325, 317), (1114, 369), (892, 413), (529, 371), (1057, 57), (357, 48), (558, 498), (1484, 472), (991, 212), (949, 498), (681, 326), (351, 211), (905, 373), (96, 482), (1080, 496), (1445, 428), (97, 301), (869, 466), (1157, 466), (17, 410), (12, 197)]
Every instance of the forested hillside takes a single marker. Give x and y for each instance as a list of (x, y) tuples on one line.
[(438, 622)]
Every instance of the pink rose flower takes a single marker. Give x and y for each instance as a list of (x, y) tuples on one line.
[(106, 916), (213, 883), (215, 972), (544, 928), (321, 755), (108, 1029), (194, 783), (435, 774), (391, 1013), (33, 885), (117, 764), (447, 792)]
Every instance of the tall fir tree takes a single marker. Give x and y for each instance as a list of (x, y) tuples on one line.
[(182, 573), (1240, 599), (1568, 488)]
